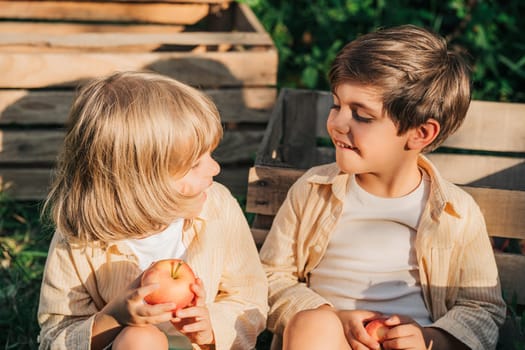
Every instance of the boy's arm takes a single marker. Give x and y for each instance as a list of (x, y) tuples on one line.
[(288, 294)]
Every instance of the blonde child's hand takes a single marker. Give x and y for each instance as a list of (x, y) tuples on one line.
[(130, 309), (405, 333), (194, 321), (353, 324)]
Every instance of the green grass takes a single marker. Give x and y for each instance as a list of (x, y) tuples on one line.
[(23, 244)]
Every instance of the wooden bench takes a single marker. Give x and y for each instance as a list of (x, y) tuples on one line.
[(486, 157), (48, 48)]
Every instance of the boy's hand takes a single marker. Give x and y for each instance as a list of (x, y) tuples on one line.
[(130, 309), (405, 333), (353, 324), (194, 321)]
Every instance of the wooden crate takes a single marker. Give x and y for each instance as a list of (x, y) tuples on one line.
[(48, 48), (486, 156)]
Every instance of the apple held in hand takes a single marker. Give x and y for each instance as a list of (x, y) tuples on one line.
[(175, 278), (377, 329)]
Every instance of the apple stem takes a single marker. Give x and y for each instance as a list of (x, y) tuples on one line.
[(174, 272)]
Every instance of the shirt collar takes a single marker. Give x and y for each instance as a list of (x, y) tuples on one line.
[(438, 201)]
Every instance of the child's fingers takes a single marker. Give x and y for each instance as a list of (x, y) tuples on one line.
[(200, 293)]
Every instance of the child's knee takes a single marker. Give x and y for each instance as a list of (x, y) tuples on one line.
[(308, 320), (146, 337)]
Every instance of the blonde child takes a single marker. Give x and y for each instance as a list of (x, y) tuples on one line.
[(379, 233), (134, 184)]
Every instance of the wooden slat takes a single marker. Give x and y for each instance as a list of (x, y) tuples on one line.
[(10, 28), (107, 41), (206, 70), (178, 13), (26, 147), (33, 183), (503, 209), (26, 107), (491, 126), (482, 171)]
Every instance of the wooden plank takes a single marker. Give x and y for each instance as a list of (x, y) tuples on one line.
[(25, 184), (491, 126), (33, 183), (503, 209), (174, 13), (267, 188), (30, 107), (511, 268), (111, 41), (25, 147), (206, 70), (481, 170), (10, 28)]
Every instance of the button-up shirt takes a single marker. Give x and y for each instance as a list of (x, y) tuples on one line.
[(457, 269), (79, 280)]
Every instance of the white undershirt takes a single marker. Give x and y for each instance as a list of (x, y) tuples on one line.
[(163, 245), (370, 262)]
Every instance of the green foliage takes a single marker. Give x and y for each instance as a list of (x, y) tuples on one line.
[(23, 245), (308, 35)]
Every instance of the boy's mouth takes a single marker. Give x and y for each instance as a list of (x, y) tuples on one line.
[(344, 145)]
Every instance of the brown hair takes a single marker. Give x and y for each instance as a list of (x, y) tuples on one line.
[(130, 135), (418, 77)]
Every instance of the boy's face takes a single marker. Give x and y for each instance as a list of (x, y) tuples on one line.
[(199, 178), (365, 139)]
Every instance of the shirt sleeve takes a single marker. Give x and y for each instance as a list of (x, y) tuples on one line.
[(66, 310), (478, 308), (288, 291)]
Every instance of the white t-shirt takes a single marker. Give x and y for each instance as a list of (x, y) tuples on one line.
[(370, 262), (164, 245)]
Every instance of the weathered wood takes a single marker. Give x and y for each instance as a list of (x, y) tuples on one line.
[(112, 41), (491, 126), (206, 70), (33, 183), (9, 28), (26, 107), (176, 13), (483, 171), (24, 147)]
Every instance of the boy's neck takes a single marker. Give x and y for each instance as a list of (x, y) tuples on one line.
[(395, 184)]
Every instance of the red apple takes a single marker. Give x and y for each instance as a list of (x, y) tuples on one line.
[(377, 329), (175, 278)]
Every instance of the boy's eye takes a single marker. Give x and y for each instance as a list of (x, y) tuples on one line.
[(359, 118), (336, 107)]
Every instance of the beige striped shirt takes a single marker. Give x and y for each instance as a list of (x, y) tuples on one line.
[(457, 269), (78, 282)]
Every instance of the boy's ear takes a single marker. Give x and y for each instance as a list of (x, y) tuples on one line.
[(423, 135)]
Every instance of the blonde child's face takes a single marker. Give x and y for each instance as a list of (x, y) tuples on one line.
[(199, 178), (365, 139)]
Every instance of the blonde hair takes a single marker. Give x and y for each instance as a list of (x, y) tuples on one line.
[(418, 76), (130, 135)]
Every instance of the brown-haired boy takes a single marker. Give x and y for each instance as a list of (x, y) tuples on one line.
[(379, 233)]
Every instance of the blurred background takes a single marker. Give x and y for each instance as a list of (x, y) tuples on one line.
[(308, 34)]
